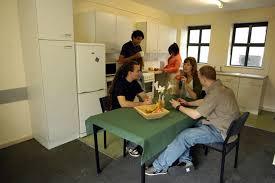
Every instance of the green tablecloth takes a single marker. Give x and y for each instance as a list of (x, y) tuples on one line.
[(152, 135)]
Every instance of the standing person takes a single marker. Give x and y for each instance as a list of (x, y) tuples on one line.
[(189, 83), (219, 107), (173, 66), (131, 51), (123, 91)]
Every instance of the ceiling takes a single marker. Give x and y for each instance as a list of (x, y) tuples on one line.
[(203, 6)]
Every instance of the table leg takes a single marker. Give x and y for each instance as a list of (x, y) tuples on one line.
[(95, 129), (124, 147), (143, 173)]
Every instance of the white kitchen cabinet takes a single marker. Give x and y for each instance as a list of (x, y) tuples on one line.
[(106, 30), (150, 42), (55, 19), (231, 82), (124, 30), (157, 37), (250, 94), (49, 62), (84, 27), (166, 37), (59, 86), (247, 89)]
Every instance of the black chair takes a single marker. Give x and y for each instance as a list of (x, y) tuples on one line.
[(105, 107), (105, 104), (225, 147)]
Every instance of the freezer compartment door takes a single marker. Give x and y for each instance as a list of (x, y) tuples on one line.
[(90, 64), (89, 105)]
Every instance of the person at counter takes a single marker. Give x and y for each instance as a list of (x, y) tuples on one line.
[(173, 66), (123, 91), (219, 107), (131, 51), (189, 84)]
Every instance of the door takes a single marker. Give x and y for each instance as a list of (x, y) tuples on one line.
[(124, 31), (55, 19), (59, 81), (90, 64), (89, 105), (106, 30), (152, 37)]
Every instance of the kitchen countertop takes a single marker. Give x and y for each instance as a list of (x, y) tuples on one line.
[(254, 76), (155, 72)]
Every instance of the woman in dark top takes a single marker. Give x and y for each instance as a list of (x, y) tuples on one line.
[(190, 85)]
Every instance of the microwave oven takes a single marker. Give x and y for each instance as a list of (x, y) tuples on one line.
[(110, 69)]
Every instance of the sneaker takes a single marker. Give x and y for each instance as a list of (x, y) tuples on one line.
[(136, 152), (181, 168), (151, 171)]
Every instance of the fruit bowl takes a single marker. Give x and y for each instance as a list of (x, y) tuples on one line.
[(151, 111)]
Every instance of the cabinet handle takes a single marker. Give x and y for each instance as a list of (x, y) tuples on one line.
[(68, 35), (68, 47), (93, 53)]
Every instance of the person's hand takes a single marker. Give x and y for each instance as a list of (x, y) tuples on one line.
[(182, 101), (178, 77), (174, 103), (183, 78), (137, 55), (147, 101)]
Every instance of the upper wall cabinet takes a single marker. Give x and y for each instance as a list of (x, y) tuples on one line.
[(124, 29), (84, 27), (166, 37), (150, 42), (103, 27), (157, 37), (106, 30), (54, 24)]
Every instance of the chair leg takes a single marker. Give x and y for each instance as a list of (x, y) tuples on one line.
[(124, 147), (222, 167), (205, 150), (105, 143), (236, 155)]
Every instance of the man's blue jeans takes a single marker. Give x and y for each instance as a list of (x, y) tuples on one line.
[(180, 146)]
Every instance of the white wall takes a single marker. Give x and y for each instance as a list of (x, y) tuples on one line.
[(15, 123), (221, 32)]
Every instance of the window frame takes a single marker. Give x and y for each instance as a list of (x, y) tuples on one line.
[(248, 44), (200, 28)]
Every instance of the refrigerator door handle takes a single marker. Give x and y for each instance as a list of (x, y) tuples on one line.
[(91, 91)]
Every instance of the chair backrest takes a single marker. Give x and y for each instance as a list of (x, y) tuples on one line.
[(236, 125), (105, 103)]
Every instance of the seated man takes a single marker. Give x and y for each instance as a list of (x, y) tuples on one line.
[(219, 107), (124, 89)]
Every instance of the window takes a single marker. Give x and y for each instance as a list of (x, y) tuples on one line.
[(248, 43), (198, 42)]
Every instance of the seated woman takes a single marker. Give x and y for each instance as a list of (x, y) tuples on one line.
[(190, 84), (173, 66)]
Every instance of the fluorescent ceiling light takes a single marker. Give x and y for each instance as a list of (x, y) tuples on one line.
[(219, 3)]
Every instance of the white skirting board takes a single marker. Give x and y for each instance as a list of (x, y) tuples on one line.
[(268, 108), (17, 141)]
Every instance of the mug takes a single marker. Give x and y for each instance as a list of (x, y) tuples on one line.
[(141, 53)]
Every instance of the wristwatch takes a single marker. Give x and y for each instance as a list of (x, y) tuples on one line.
[(178, 107)]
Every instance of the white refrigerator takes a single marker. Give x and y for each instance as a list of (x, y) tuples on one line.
[(91, 80)]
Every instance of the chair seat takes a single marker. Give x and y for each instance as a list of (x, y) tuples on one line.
[(219, 146)]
